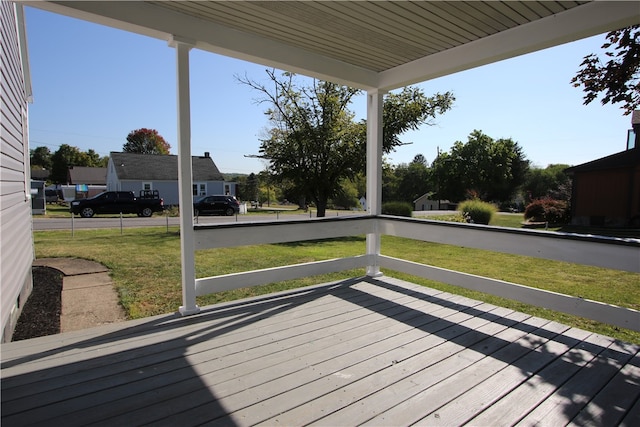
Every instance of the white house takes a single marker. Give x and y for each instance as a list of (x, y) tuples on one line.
[(16, 244), (135, 172), (426, 203)]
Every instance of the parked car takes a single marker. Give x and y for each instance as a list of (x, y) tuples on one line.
[(215, 204), (119, 202)]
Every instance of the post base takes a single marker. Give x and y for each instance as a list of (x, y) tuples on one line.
[(374, 272), (184, 311)]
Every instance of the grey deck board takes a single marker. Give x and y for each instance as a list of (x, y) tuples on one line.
[(618, 401), (359, 352), (571, 397)]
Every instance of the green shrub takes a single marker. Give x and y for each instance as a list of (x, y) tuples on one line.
[(547, 210), (477, 211), (397, 209)]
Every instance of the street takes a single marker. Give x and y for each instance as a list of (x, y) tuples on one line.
[(40, 224)]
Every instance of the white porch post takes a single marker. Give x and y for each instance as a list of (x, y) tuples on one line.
[(374, 173), (185, 185)]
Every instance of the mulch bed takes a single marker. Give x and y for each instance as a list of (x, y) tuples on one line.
[(41, 313)]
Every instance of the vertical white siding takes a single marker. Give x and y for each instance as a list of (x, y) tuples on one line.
[(16, 241)]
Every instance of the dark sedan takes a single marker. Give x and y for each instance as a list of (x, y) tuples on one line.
[(212, 205)]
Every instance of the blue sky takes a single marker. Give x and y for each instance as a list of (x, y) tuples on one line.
[(93, 85)]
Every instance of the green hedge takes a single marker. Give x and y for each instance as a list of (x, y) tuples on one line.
[(397, 209), (477, 211)]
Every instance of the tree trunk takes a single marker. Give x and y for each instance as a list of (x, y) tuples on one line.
[(322, 208)]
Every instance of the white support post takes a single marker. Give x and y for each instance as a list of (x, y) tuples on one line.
[(375, 102), (185, 185)]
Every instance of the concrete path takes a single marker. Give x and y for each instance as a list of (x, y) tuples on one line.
[(88, 296)]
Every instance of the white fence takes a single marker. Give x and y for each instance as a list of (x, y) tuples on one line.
[(614, 253)]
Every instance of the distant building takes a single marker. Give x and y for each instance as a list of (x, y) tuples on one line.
[(87, 176), (39, 174), (426, 203), (135, 172), (606, 191), (85, 182)]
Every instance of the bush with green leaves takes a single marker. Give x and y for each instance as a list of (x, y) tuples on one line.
[(548, 210), (397, 209), (477, 212)]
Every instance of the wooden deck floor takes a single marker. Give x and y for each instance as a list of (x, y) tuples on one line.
[(362, 352)]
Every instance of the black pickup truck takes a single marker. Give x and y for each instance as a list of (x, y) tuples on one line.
[(119, 202)]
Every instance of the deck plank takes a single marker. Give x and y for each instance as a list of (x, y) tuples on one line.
[(377, 401), (618, 400), (564, 363), (568, 400), (333, 375), (359, 352), (337, 406), (295, 372)]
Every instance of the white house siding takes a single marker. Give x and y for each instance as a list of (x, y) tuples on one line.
[(112, 178), (16, 241)]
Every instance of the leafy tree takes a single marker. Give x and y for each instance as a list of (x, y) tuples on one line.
[(94, 160), (40, 156), (619, 78), (414, 179), (314, 142), (241, 186), (146, 141), (550, 182), (489, 169), (406, 182), (360, 181), (347, 195), (65, 157), (390, 182), (251, 187)]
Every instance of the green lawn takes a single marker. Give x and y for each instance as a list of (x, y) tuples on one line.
[(145, 266)]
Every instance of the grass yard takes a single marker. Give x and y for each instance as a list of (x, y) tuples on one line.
[(145, 267)]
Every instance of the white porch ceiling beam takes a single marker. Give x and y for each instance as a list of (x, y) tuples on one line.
[(152, 21), (580, 22)]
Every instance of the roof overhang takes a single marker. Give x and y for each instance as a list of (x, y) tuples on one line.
[(368, 45)]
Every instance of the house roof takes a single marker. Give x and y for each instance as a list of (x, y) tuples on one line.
[(39, 173), (156, 167), (87, 175), (364, 44), (624, 159)]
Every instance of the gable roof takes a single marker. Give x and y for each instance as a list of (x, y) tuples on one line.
[(624, 159), (157, 167), (87, 175), (39, 173), (381, 45)]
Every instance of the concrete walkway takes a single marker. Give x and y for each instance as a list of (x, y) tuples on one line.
[(88, 296)]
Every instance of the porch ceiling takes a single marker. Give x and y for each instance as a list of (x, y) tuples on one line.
[(370, 45)]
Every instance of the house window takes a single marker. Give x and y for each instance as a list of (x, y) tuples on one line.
[(199, 188), (147, 186), (227, 189)]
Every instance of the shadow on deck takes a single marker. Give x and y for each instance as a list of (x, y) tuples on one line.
[(363, 351)]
